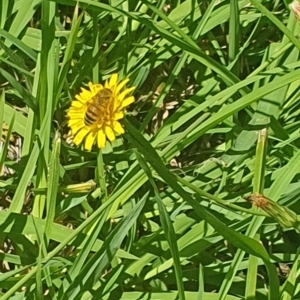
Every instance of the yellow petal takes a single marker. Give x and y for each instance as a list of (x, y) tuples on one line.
[(95, 87), (118, 115), (109, 133), (75, 115), (127, 101), (76, 127), (85, 94), (76, 104), (116, 104), (74, 110), (121, 85), (118, 128), (77, 109), (113, 80), (72, 122), (84, 91), (91, 85), (124, 93), (101, 139), (80, 135), (80, 99), (81, 109), (89, 141), (98, 87)]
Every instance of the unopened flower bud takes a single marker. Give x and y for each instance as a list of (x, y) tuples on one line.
[(83, 187), (283, 215)]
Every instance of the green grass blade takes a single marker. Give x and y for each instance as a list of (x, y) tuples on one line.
[(52, 186), (68, 54), (2, 105), (18, 199), (276, 22), (90, 273), (80, 260), (234, 32), (244, 242), (4, 149), (167, 227)]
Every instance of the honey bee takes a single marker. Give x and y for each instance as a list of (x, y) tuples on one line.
[(93, 111)]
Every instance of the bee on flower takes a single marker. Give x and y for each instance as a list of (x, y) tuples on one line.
[(94, 115)]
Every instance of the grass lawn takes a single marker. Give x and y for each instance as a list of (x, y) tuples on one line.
[(149, 150)]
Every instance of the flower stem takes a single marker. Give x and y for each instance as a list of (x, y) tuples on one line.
[(101, 175)]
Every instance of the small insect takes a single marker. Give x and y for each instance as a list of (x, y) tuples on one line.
[(93, 111)]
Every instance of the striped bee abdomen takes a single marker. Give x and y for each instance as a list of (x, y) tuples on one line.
[(91, 115), (98, 106)]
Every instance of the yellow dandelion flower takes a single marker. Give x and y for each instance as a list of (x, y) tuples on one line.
[(94, 115)]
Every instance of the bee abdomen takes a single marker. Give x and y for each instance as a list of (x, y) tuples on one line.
[(91, 115)]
